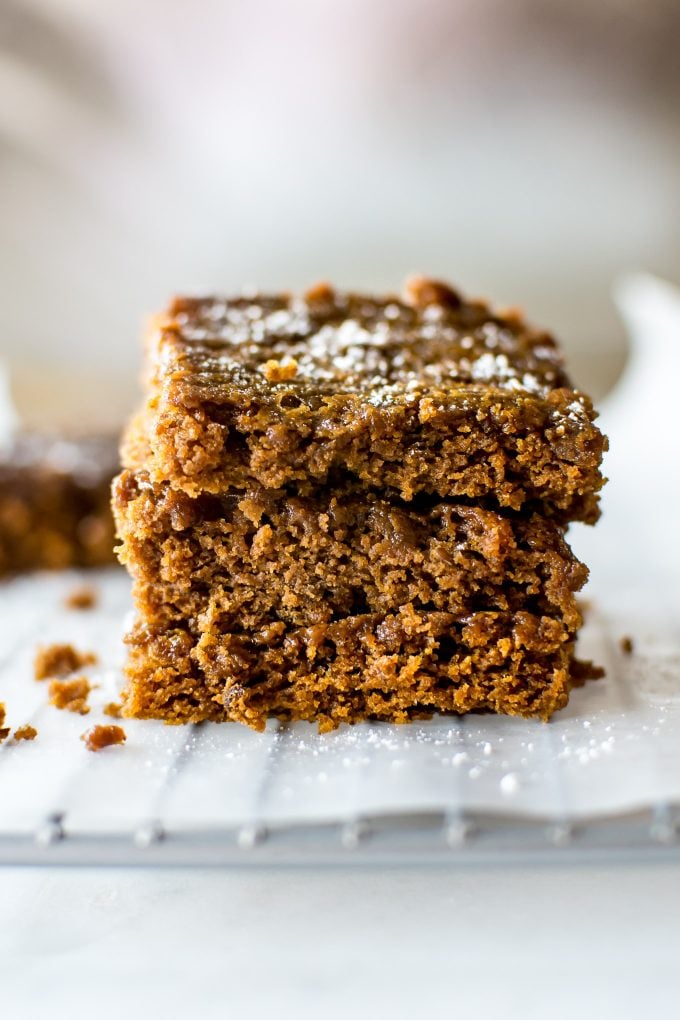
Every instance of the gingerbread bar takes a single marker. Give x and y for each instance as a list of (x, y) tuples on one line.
[(55, 503), (342, 507), (429, 393)]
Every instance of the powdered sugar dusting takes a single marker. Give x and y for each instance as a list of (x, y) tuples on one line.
[(388, 349), (492, 366)]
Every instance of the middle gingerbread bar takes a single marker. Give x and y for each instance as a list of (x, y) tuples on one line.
[(245, 560)]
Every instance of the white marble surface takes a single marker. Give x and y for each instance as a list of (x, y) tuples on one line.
[(557, 943)]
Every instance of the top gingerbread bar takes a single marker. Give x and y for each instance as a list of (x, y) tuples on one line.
[(427, 393)]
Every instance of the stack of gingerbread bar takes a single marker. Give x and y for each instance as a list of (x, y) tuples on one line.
[(340, 507)]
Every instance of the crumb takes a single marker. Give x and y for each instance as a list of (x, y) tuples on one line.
[(60, 660), (512, 315), (626, 644), (113, 709), (584, 670), (280, 371), (4, 730), (4, 733), (419, 291), (103, 736), (321, 293), (25, 733), (84, 597), (71, 695)]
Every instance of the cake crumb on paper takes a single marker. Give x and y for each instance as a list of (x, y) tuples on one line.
[(583, 670), (84, 597), (113, 709), (626, 644), (100, 737), (25, 733), (71, 695), (58, 660)]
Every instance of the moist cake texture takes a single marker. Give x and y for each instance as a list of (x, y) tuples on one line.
[(55, 503), (341, 507), (395, 667), (266, 555)]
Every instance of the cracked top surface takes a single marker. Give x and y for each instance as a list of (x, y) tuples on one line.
[(389, 349)]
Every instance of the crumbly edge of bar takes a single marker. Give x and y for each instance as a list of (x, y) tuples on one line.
[(484, 451), (242, 559), (396, 667)]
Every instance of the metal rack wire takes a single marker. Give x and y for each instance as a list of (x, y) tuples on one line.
[(384, 840)]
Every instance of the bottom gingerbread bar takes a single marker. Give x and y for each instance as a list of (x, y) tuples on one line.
[(397, 667)]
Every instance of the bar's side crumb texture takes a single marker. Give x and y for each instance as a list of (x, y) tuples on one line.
[(342, 507), (399, 667), (266, 555)]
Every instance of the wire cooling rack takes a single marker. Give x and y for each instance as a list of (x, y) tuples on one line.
[(602, 779)]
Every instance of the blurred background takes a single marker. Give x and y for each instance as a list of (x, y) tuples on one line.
[(529, 150)]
